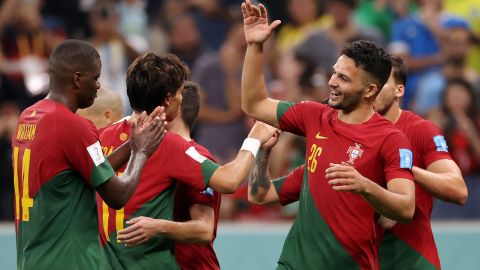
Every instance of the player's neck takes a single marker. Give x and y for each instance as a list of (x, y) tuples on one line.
[(63, 99), (393, 114), (358, 116), (178, 127)]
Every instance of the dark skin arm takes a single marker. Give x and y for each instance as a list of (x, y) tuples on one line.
[(147, 133)]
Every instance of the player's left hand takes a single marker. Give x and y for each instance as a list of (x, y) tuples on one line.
[(141, 229), (346, 178)]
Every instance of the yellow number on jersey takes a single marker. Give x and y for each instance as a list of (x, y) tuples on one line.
[(26, 201), (315, 151), (119, 218)]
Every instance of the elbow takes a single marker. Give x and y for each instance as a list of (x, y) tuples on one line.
[(255, 200), (117, 205), (247, 109), (406, 215), (461, 197), (205, 236), (231, 186)]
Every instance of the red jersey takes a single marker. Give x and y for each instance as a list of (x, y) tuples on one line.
[(412, 245), (195, 256), (337, 230), (175, 160), (57, 163)]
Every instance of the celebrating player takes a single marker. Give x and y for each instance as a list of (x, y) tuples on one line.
[(358, 163), (152, 80), (58, 164), (412, 245)]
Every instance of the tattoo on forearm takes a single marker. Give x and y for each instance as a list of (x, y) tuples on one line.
[(258, 174)]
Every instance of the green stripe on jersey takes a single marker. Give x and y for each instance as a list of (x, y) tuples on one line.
[(62, 231), (396, 254), (101, 173), (278, 183), (282, 107), (208, 168), (310, 244), (156, 253)]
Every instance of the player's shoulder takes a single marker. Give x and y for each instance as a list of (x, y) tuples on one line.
[(417, 123), (120, 126), (202, 150)]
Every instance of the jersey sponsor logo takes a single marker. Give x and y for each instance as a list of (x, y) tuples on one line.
[(95, 152), (353, 153), (406, 158), (208, 191), (320, 137), (26, 132), (192, 152), (441, 144)]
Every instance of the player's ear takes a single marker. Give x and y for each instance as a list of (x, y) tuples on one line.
[(399, 90), (371, 91), (76, 80)]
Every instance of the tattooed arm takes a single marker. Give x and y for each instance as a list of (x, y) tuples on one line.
[(260, 188)]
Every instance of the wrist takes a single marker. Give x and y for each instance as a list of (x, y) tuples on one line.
[(255, 45), (252, 145)]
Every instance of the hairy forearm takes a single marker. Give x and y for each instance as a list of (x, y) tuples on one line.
[(396, 206), (253, 81), (120, 156), (192, 231), (259, 179), (448, 186)]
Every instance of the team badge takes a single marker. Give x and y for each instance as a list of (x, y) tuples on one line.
[(354, 152), (441, 144), (123, 136), (406, 158)]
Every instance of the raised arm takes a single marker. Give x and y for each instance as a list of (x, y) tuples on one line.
[(227, 178), (444, 180), (147, 133), (397, 202), (197, 230), (255, 100)]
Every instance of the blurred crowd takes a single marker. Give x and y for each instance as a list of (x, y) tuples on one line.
[(440, 41)]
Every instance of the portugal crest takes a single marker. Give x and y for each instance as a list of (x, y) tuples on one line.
[(354, 152)]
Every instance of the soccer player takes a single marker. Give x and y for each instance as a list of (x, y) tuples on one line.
[(106, 109), (195, 211), (153, 80), (58, 164), (358, 163), (412, 245), (405, 246)]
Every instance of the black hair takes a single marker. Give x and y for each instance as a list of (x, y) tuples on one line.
[(399, 70), (151, 78), (371, 58)]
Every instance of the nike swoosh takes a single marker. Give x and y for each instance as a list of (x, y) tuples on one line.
[(320, 137)]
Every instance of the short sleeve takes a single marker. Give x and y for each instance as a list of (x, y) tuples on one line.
[(82, 150), (289, 187), (203, 197), (434, 146), (293, 117), (191, 166), (397, 156)]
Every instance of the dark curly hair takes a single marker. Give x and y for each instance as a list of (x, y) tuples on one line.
[(151, 78), (371, 58)]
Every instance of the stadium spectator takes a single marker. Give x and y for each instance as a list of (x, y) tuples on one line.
[(153, 80), (58, 163), (219, 78), (348, 162), (456, 48), (106, 109), (458, 119), (333, 37)]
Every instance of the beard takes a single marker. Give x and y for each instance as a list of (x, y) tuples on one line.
[(348, 103)]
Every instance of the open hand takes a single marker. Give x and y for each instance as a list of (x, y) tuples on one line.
[(148, 131), (255, 22)]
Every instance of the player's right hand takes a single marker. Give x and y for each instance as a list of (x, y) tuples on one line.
[(148, 131), (262, 132), (270, 143), (255, 22)]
